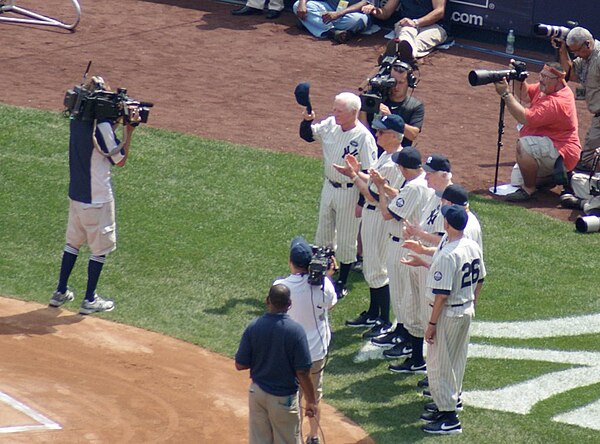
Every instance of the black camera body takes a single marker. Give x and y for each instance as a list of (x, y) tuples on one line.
[(321, 261), (381, 84), (554, 31), (483, 76), (105, 105)]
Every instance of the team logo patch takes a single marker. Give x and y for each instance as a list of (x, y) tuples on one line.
[(437, 275), (400, 202)]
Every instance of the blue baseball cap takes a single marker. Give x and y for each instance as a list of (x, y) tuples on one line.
[(300, 252), (456, 195), (437, 162), (456, 216), (391, 122), (408, 157)]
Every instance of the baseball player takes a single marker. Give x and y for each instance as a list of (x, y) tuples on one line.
[(455, 278), (390, 130), (340, 135), (406, 205), (430, 231)]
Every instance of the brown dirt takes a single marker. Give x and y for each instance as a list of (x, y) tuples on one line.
[(222, 77)]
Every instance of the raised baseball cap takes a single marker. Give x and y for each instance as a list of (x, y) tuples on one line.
[(437, 162), (408, 157), (391, 122), (456, 194), (456, 216), (300, 252)]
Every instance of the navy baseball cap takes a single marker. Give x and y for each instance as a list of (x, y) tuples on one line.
[(389, 122), (456, 216), (300, 252), (408, 157), (456, 195), (437, 162)]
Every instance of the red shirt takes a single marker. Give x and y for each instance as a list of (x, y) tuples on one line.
[(554, 116)]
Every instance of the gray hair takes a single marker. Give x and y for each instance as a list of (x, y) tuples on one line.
[(350, 100), (578, 36)]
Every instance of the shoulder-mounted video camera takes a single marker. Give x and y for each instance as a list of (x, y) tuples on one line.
[(483, 76), (381, 84), (321, 261), (93, 102)]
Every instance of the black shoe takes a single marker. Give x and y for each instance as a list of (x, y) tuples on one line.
[(388, 340), (431, 416), (358, 265), (272, 14), (572, 202), (408, 366), (405, 52), (341, 290), (427, 394), (378, 330), (399, 350), (432, 407), (246, 10), (363, 320), (423, 383), (447, 424)]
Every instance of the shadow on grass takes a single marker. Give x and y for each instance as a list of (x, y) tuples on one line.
[(257, 307)]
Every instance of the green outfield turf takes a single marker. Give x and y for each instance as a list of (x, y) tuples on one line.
[(204, 227)]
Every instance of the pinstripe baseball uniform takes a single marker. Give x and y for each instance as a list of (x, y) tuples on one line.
[(456, 269), (374, 235), (432, 222), (407, 205), (339, 196)]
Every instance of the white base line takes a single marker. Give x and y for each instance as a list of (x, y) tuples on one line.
[(44, 423)]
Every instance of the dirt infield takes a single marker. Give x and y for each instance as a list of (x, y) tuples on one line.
[(221, 77)]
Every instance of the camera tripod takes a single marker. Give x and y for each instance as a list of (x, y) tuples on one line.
[(500, 144), (35, 18)]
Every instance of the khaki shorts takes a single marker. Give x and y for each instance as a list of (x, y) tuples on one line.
[(316, 376), (94, 225), (543, 151)]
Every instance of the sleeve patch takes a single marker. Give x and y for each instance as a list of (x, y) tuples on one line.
[(437, 276), (399, 202)]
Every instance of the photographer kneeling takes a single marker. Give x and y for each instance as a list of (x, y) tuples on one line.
[(310, 308), (547, 129)]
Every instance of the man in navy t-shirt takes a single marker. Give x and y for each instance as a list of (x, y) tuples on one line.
[(275, 349)]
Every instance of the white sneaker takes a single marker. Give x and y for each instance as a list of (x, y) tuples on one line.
[(59, 298), (96, 306)]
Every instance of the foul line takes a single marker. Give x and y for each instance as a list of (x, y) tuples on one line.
[(44, 423)]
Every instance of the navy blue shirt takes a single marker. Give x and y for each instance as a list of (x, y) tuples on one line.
[(274, 347)]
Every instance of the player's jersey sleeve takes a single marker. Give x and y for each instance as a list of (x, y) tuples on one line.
[(368, 150), (107, 140), (441, 274), (321, 128)]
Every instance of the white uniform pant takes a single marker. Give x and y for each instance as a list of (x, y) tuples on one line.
[(422, 40), (337, 221), (399, 278), (447, 360), (375, 244)]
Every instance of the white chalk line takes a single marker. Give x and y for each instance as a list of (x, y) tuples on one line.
[(44, 423)]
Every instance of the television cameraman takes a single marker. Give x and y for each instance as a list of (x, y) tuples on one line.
[(547, 128), (585, 69), (310, 308), (91, 201), (399, 102)]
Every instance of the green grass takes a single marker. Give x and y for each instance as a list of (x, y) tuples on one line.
[(204, 228)]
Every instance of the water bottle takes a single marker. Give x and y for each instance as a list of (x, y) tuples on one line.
[(510, 42)]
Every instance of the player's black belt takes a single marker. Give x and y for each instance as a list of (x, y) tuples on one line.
[(453, 305), (396, 239), (340, 185), (371, 207)]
